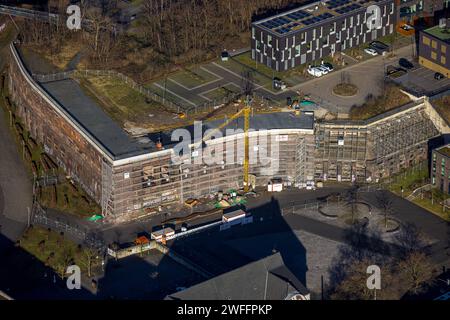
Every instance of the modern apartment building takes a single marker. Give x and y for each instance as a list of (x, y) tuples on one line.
[(317, 30), (440, 168), (434, 48)]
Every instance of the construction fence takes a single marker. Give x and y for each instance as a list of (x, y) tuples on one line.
[(149, 93), (74, 231)]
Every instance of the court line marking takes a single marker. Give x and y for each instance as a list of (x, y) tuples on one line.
[(175, 94)]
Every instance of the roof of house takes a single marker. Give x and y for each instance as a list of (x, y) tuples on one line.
[(439, 33), (265, 279), (311, 14), (94, 120)]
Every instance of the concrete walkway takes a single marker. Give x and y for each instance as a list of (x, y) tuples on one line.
[(15, 185)]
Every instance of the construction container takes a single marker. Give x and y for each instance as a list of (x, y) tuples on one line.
[(234, 215)]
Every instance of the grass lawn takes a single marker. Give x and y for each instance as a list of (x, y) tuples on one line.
[(291, 77), (433, 207), (122, 102), (409, 180), (67, 53), (56, 251), (413, 179), (70, 198)]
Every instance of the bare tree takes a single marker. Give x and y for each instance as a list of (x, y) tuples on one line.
[(385, 202), (101, 37), (415, 270), (90, 256), (354, 285), (352, 198), (247, 83), (410, 239), (63, 262)]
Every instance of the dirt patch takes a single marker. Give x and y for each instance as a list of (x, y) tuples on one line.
[(442, 106), (345, 90), (392, 98)]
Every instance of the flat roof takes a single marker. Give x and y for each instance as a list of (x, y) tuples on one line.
[(95, 121), (311, 14), (439, 33), (163, 232), (265, 121), (445, 150)]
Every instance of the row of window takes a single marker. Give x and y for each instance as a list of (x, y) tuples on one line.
[(318, 44), (359, 19)]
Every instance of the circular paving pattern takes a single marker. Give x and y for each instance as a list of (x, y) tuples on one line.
[(345, 90)]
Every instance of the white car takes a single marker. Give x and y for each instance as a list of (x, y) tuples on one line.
[(324, 69), (327, 66), (371, 51), (315, 72)]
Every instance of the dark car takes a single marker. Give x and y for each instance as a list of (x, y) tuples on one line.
[(405, 63), (439, 76), (379, 47), (391, 70)]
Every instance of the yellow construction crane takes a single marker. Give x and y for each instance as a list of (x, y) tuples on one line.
[(246, 113)]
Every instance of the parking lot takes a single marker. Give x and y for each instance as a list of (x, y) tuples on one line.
[(422, 81), (215, 83)]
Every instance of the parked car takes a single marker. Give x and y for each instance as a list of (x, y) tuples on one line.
[(315, 72), (327, 66), (324, 70), (278, 84), (371, 51), (407, 27), (379, 44), (379, 47), (439, 76), (225, 56), (390, 70), (405, 63)]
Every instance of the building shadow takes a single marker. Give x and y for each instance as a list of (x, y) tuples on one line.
[(24, 277), (154, 275), (220, 252)]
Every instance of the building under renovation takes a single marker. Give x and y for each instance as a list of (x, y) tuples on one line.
[(366, 151), (130, 177)]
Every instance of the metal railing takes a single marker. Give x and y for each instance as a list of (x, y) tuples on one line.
[(27, 13), (149, 93), (81, 234)]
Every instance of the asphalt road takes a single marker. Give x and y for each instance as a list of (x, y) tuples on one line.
[(367, 75), (15, 185)]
